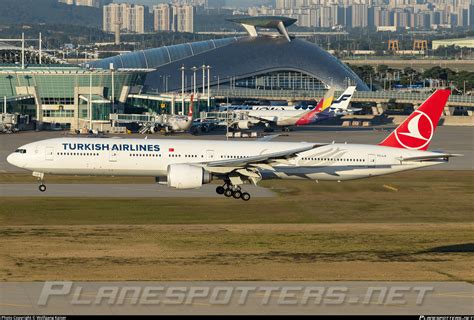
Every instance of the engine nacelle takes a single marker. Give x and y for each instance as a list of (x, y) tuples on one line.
[(185, 176), (243, 124)]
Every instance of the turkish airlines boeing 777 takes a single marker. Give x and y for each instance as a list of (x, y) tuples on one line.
[(188, 164)]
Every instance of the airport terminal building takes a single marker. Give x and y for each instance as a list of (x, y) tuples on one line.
[(154, 80), (254, 61)]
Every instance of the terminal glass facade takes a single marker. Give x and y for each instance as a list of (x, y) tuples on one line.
[(281, 80), (100, 110), (55, 90)]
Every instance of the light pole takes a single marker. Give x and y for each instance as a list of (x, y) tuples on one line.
[(208, 88), (182, 87), (40, 45), (112, 69), (194, 80), (90, 99), (203, 80), (23, 50)]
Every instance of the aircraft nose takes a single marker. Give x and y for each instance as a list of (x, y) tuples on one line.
[(14, 160), (10, 159)]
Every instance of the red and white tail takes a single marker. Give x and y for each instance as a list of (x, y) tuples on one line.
[(416, 132)]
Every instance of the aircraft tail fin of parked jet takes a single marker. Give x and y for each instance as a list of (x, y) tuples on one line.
[(416, 132), (343, 102), (323, 104)]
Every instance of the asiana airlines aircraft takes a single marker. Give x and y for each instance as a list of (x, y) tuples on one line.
[(189, 164)]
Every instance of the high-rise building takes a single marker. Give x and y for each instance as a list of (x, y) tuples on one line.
[(129, 18), (162, 17), (69, 2), (373, 13), (360, 15), (471, 16), (87, 3), (175, 17), (183, 18)]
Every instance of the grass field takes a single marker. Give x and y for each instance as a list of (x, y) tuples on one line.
[(410, 226)]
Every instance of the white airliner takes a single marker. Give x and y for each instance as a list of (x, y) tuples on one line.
[(189, 164), (326, 108), (174, 123)]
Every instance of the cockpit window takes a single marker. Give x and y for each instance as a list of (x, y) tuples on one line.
[(20, 151)]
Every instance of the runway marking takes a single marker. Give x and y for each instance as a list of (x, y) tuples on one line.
[(15, 305), (165, 303), (456, 294), (390, 188)]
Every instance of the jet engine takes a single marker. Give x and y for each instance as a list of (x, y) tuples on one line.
[(185, 176), (243, 124)]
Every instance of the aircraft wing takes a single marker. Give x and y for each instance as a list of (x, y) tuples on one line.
[(263, 119), (269, 138), (261, 159), (430, 157)]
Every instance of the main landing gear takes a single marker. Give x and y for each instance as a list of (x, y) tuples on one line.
[(233, 192)]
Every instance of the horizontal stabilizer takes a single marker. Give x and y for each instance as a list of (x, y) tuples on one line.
[(430, 157)]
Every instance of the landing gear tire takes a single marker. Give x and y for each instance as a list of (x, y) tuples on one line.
[(42, 188), (237, 194), (220, 190), (245, 196), (228, 193)]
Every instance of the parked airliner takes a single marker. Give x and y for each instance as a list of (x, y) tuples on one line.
[(189, 164), (326, 108)]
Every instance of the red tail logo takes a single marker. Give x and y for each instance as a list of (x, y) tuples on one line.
[(307, 117), (417, 130)]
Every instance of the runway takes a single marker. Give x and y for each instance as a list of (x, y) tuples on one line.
[(227, 298), (119, 191)]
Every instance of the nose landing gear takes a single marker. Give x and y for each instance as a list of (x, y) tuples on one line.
[(40, 177), (231, 191)]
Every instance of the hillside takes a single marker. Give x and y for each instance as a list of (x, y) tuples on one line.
[(49, 12)]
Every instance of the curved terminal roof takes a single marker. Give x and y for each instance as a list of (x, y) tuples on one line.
[(157, 57), (236, 58)]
